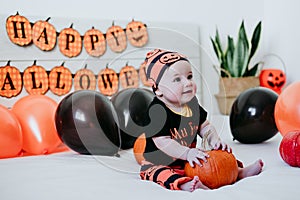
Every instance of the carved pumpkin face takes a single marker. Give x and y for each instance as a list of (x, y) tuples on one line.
[(70, 42), (94, 42), (35, 79), (84, 80), (137, 33), (60, 80), (108, 82), (129, 77), (19, 30), (44, 35), (116, 38), (220, 169), (10, 81), (142, 74), (273, 79)]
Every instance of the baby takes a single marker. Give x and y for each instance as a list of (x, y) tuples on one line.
[(175, 120)]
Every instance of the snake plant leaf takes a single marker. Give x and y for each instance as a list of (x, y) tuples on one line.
[(229, 54), (216, 49), (252, 71), (255, 39), (241, 53)]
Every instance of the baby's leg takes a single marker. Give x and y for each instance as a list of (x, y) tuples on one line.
[(192, 185), (251, 170)]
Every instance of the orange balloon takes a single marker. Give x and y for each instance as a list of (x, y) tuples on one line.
[(287, 109), (36, 116), (10, 134)]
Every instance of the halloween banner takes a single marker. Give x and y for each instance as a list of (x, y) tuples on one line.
[(36, 80), (44, 35)]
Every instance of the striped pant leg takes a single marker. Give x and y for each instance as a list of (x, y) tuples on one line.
[(165, 176)]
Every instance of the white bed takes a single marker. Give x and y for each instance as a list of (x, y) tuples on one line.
[(68, 175)]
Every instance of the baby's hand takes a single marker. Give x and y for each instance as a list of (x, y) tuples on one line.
[(194, 155), (218, 144)]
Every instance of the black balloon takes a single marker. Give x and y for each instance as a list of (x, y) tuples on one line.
[(131, 106), (86, 123), (252, 116)]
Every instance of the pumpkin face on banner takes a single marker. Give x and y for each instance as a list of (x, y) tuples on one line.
[(137, 33), (94, 42), (108, 82), (60, 80), (116, 38), (220, 169), (273, 79), (44, 35), (10, 81), (35, 79), (19, 30), (70, 42), (142, 74), (129, 77), (84, 80)]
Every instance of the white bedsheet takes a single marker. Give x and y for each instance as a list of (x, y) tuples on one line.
[(68, 175)]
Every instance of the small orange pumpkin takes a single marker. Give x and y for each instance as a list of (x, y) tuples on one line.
[(60, 80), (19, 30), (44, 35), (139, 148), (116, 38), (84, 80), (35, 79), (10, 81), (70, 42), (136, 33), (273, 79), (220, 169), (129, 77), (108, 82), (94, 42)]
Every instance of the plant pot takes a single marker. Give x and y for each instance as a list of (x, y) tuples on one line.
[(230, 88)]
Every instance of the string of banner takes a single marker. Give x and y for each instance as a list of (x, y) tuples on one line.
[(37, 80)]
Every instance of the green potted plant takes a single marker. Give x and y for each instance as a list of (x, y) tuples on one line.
[(235, 73)]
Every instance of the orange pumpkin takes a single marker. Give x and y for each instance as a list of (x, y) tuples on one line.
[(108, 82), (44, 35), (136, 33), (139, 148), (10, 81), (35, 79), (220, 169), (60, 80), (116, 38), (19, 30), (94, 42), (273, 79), (142, 74), (129, 77), (70, 42), (84, 80)]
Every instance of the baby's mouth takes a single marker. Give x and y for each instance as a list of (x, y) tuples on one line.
[(187, 92)]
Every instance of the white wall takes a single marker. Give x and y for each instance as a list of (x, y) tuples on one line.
[(280, 22)]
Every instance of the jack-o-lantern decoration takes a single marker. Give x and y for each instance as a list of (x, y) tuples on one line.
[(44, 35), (19, 30), (84, 80), (10, 81), (273, 79), (108, 82), (116, 38), (70, 42), (220, 169), (60, 80), (142, 74), (94, 42), (137, 33), (129, 77), (35, 79)]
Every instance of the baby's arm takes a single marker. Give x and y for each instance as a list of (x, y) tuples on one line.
[(209, 133), (176, 150)]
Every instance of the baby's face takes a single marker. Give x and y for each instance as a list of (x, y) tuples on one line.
[(177, 84)]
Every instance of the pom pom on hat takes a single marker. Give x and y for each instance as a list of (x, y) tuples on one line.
[(157, 61)]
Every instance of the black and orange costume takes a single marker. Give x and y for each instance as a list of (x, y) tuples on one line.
[(163, 169)]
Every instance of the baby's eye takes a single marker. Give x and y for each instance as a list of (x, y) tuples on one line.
[(190, 76), (177, 79)]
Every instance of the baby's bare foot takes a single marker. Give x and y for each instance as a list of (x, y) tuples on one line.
[(193, 185), (251, 170)]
